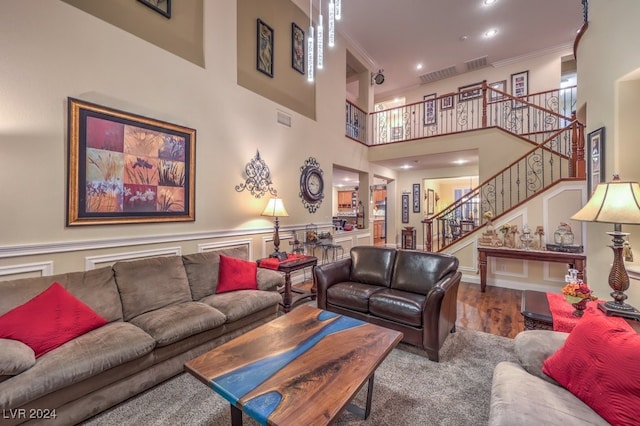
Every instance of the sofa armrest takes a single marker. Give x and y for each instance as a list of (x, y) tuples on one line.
[(269, 279), (532, 347), (328, 274)]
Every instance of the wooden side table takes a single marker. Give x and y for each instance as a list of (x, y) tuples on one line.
[(290, 295), (535, 310)]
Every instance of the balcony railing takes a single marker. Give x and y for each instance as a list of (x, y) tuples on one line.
[(533, 116)]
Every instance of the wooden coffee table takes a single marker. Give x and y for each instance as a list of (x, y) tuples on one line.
[(302, 368)]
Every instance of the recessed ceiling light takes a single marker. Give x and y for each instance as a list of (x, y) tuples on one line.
[(464, 37), (459, 161), (491, 33), (419, 66), (405, 166), (489, 2)]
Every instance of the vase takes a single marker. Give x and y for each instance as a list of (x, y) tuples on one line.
[(579, 307)]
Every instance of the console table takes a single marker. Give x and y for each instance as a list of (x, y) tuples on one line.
[(577, 261)]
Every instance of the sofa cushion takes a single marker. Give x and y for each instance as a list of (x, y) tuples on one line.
[(96, 288), (176, 322), (372, 265), (599, 364), (236, 274), (532, 347), (15, 357), (239, 304), (522, 399), (203, 269), (352, 295), (49, 320), (149, 284), (79, 359), (418, 272), (397, 305)]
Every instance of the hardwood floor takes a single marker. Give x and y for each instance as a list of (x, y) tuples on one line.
[(497, 311)]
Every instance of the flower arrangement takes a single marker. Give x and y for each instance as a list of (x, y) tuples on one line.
[(577, 292), (488, 215)]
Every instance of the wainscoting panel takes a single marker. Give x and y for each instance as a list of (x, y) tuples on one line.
[(92, 262), (27, 270)]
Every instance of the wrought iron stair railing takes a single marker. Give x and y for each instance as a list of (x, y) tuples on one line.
[(542, 167)]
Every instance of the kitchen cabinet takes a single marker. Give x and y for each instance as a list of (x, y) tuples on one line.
[(378, 229), (346, 199), (379, 195)]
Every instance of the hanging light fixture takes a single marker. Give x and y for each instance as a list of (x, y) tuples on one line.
[(310, 63), (332, 23), (320, 42), (338, 11)]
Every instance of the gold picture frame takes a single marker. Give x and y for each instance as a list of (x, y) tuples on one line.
[(126, 168)]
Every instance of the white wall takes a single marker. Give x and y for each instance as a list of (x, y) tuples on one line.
[(607, 58)]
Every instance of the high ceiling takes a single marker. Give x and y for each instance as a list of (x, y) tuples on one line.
[(395, 36)]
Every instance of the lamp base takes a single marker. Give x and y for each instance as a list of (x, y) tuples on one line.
[(280, 255), (619, 310)]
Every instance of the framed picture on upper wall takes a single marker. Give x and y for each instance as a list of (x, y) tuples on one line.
[(126, 168), (264, 54), (163, 7), (446, 102), (416, 198), (430, 109), (470, 91), (297, 48), (595, 159), (519, 86), (405, 208), (498, 85)]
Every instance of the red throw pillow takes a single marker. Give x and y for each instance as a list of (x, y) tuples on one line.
[(49, 320), (598, 363), (236, 274)]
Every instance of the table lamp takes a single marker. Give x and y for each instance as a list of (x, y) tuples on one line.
[(615, 202), (275, 208)]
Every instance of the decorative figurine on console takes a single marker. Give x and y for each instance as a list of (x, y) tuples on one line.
[(489, 237)]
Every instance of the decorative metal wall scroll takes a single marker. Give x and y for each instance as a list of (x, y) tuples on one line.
[(311, 185), (258, 180)]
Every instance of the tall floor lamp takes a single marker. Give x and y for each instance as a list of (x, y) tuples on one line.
[(275, 208), (615, 202)]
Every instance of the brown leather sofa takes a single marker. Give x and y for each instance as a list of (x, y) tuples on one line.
[(410, 291)]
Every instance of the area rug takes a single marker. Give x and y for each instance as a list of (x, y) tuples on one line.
[(408, 390)]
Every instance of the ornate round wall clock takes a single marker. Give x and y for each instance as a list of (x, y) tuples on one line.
[(311, 185)]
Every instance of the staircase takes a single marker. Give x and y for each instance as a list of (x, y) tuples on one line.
[(545, 120)]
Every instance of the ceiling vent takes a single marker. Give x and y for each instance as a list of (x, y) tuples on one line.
[(438, 75), (476, 64)]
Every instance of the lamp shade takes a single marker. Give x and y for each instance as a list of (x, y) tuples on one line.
[(275, 208), (613, 202)]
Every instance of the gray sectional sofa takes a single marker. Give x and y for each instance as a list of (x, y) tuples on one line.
[(522, 395), (161, 312)]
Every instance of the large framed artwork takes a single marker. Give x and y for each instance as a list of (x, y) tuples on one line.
[(595, 159), (126, 168), (430, 109), (163, 7), (405, 208), (416, 198), (297, 48), (264, 53), (470, 91)]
